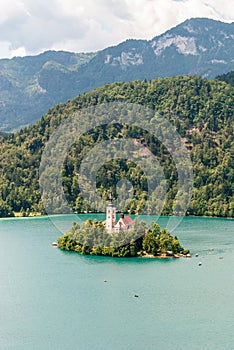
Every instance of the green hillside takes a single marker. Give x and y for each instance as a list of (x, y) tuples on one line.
[(30, 85), (201, 110), (228, 78)]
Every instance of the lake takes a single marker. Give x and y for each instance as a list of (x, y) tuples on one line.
[(50, 299)]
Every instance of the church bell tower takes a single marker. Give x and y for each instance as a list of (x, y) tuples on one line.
[(110, 216)]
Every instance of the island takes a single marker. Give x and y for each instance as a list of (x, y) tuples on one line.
[(121, 238), (92, 238)]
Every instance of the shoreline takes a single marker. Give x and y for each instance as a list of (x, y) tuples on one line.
[(39, 215), (164, 256)]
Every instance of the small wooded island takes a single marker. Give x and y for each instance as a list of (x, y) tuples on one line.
[(92, 238), (122, 238)]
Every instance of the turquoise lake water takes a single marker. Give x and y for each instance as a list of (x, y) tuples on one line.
[(51, 299)]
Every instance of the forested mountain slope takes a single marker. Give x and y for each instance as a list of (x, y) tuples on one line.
[(201, 110), (228, 77)]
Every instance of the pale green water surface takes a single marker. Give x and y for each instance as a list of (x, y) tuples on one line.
[(51, 299)]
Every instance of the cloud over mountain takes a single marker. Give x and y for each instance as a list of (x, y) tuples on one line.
[(29, 27)]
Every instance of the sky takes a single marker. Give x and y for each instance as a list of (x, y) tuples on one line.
[(28, 27)]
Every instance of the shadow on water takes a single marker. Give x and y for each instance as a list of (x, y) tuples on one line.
[(95, 259)]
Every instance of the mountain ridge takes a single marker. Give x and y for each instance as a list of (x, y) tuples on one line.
[(32, 84)]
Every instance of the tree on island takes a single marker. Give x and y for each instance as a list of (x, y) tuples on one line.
[(91, 238)]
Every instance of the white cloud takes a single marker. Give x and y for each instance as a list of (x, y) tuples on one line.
[(29, 27)]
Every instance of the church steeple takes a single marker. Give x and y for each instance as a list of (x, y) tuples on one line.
[(110, 215)]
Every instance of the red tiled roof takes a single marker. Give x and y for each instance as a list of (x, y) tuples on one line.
[(127, 220)]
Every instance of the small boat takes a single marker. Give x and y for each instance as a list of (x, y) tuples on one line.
[(105, 281), (136, 296), (196, 255), (54, 244), (188, 256), (200, 263), (169, 253)]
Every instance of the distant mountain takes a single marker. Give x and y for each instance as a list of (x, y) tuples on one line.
[(30, 85)]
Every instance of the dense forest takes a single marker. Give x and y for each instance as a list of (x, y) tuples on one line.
[(200, 109), (228, 77), (92, 239)]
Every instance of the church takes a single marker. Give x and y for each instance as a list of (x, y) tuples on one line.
[(125, 223)]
